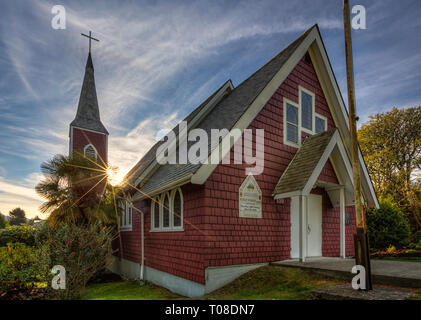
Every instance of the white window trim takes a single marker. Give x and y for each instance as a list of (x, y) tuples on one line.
[(154, 201), (321, 117), (286, 141), (161, 199), (313, 107), (161, 207), (90, 145), (128, 211), (172, 197)]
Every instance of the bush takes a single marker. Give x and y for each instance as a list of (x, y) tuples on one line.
[(19, 269), (386, 226), (81, 250), (418, 246), (3, 222), (13, 234)]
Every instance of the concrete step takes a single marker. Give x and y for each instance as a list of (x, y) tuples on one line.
[(393, 273)]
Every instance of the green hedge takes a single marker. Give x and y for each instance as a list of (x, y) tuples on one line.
[(14, 234), (20, 268), (386, 226)]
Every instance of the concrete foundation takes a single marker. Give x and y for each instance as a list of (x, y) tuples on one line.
[(216, 277)]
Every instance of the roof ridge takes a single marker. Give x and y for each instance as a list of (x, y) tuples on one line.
[(226, 112), (196, 110)]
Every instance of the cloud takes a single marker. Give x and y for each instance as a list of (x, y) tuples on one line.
[(14, 195), (155, 62)]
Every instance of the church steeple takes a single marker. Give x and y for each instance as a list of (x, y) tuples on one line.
[(87, 116), (87, 133)]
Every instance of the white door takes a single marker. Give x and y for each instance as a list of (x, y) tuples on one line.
[(295, 228), (314, 226)]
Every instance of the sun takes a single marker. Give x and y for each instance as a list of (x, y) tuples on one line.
[(114, 176)]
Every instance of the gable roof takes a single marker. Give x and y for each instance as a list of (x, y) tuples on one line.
[(87, 116), (240, 106), (223, 115), (147, 160), (302, 173), (305, 161)]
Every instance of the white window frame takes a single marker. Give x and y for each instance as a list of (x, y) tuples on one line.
[(313, 109), (127, 212), (161, 198), (286, 141), (154, 201), (172, 198), (321, 117), (161, 209), (90, 145)]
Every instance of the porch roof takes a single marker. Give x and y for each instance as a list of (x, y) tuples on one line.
[(304, 162), (303, 171)]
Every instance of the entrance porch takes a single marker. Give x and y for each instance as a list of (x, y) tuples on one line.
[(299, 180)]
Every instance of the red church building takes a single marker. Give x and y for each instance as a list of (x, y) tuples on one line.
[(194, 227)]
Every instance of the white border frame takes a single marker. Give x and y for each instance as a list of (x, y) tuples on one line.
[(90, 145), (172, 197), (154, 201), (313, 109), (161, 198), (321, 117), (286, 141), (128, 210)]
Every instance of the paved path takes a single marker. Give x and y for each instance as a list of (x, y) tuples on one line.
[(397, 273)]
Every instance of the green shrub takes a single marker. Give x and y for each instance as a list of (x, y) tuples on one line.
[(19, 268), (81, 250), (3, 222), (411, 251), (24, 234), (386, 226), (42, 233), (418, 246)]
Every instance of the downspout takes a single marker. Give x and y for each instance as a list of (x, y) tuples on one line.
[(142, 241), (142, 236)]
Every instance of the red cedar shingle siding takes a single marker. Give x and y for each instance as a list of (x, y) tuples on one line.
[(219, 237)]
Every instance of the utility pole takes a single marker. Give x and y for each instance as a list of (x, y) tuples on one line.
[(362, 253)]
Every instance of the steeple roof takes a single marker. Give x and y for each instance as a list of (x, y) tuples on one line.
[(87, 116)]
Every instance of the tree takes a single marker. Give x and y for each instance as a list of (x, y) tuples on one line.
[(386, 226), (391, 145), (76, 191), (17, 217), (3, 222)]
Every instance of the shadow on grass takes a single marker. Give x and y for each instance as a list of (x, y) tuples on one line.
[(264, 283)]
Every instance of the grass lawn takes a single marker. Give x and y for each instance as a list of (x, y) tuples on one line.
[(127, 290), (267, 283)]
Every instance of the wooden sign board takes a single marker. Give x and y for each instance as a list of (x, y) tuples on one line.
[(250, 199)]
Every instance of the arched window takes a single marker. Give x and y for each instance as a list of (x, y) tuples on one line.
[(177, 208), (166, 211), (155, 216), (90, 152), (126, 216)]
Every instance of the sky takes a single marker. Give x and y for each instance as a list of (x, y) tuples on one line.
[(157, 60)]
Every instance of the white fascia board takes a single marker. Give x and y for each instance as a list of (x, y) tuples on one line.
[(174, 184), (322, 161), (203, 173), (287, 195), (105, 134), (335, 102), (205, 110)]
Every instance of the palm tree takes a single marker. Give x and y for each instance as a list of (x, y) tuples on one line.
[(77, 191)]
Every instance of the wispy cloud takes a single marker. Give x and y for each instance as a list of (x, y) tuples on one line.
[(155, 62), (14, 195)]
